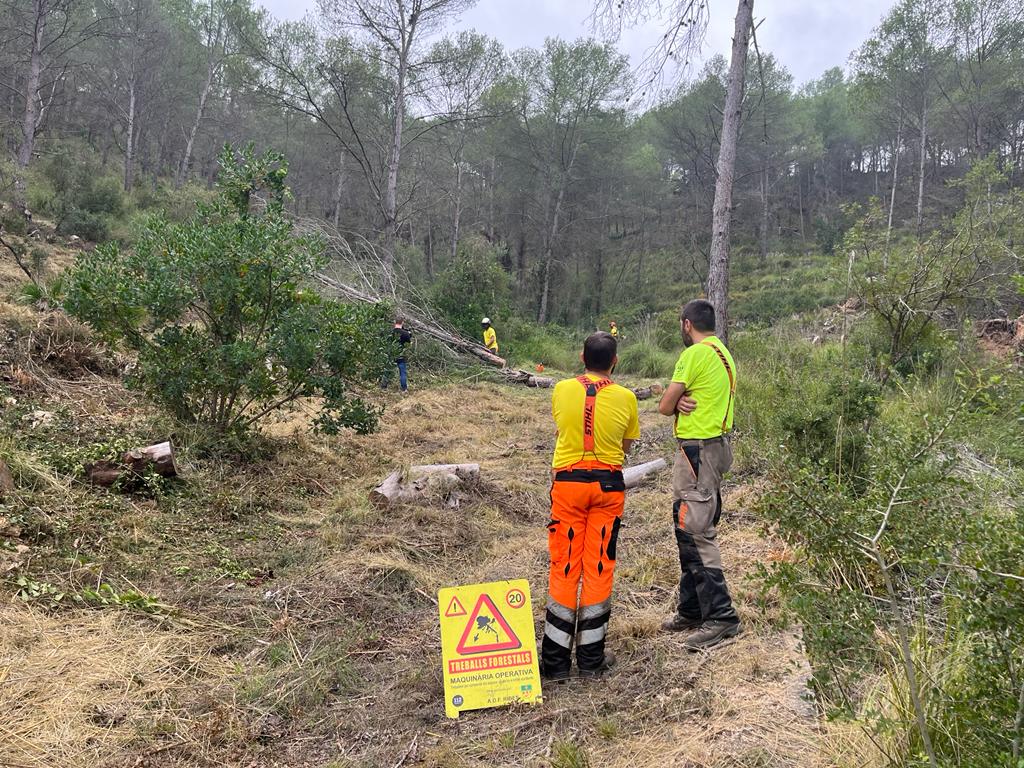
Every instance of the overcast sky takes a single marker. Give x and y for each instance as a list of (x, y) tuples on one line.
[(808, 36)]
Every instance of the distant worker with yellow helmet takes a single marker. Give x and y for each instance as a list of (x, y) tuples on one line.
[(490, 337)]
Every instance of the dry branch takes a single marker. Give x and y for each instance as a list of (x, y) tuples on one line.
[(423, 483)]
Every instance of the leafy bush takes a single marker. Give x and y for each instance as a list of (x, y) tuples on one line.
[(85, 224), (216, 308), (472, 286), (76, 191), (13, 221), (904, 575), (911, 286)]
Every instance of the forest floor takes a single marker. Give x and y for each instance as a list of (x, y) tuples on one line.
[(264, 613)]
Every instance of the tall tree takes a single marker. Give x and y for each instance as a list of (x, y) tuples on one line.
[(394, 29), (718, 269), (563, 88), (467, 67)]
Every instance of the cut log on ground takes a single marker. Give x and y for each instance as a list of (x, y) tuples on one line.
[(643, 393), (425, 482), (522, 377), (134, 465), (634, 476), (513, 376)]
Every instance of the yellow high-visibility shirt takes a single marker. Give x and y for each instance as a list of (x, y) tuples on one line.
[(615, 419), (491, 339), (614, 331), (701, 371)]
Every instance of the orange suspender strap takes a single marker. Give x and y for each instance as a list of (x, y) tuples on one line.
[(732, 383), (592, 388)]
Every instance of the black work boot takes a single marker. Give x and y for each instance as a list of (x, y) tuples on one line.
[(559, 676), (711, 633), (606, 664), (679, 623)]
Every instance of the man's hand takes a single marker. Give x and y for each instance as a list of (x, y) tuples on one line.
[(686, 405)]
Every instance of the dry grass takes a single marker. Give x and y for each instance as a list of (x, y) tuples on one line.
[(335, 657), (741, 705), (77, 688)]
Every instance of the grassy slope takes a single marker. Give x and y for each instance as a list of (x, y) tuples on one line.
[(270, 616), (303, 629)]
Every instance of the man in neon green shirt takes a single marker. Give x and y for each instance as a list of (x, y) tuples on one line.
[(701, 399)]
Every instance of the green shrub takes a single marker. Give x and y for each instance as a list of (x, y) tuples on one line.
[(526, 344), (84, 224), (216, 308), (13, 222), (472, 286), (71, 185), (905, 563)]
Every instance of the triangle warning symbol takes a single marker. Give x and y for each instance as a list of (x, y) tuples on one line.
[(487, 630), (455, 608)]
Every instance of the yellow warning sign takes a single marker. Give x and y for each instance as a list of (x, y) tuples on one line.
[(488, 646)]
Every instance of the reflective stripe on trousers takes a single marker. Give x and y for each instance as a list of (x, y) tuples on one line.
[(582, 541)]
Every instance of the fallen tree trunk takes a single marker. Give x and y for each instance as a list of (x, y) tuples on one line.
[(419, 325), (425, 482), (522, 377), (634, 476), (513, 376), (133, 465)]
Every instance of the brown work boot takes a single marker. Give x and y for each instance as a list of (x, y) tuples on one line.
[(679, 623), (711, 633), (606, 664)]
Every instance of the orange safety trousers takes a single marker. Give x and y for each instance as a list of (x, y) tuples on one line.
[(582, 541)]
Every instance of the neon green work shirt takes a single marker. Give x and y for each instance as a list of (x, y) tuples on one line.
[(706, 379)]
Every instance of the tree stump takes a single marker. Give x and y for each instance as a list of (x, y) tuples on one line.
[(133, 465)]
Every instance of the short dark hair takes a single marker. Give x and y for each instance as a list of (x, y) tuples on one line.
[(599, 351), (701, 313)]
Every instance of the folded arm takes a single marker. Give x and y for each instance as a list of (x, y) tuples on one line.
[(675, 399)]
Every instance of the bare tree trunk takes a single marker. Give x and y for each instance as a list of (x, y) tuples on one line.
[(339, 189), (391, 189), (718, 272), (892, 196), (490, 201), (542, 316), (764, 212), (800, 202), (30, 122), (186, 158), (129, 150), (457, 212), (429, 250), (920, 172)]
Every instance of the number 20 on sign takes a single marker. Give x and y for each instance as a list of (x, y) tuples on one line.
[(488, 646)]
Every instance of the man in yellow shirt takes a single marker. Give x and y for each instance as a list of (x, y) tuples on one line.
[(597, 423), (490, 337), (706, 374)]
